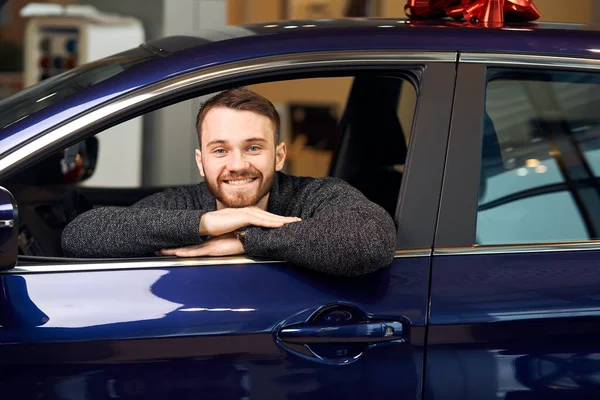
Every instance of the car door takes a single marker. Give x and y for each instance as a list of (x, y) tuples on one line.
[(233, 327), (516, 277)]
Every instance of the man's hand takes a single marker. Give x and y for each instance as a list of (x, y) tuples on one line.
[(217, 223), (225, 245)]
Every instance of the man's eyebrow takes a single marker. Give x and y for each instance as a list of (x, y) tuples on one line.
[(257, 139), (217, 141)]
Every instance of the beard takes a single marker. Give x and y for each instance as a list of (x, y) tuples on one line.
[(248, 198)]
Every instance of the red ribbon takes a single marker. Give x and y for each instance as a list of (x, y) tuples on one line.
[(487, 12)]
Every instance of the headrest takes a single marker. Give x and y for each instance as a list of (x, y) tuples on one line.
[(491, 153), (372, 117)]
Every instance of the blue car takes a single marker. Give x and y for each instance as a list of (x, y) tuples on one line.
[(482, 143)]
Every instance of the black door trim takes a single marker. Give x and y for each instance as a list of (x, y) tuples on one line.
[(457, 214), (422, 181)]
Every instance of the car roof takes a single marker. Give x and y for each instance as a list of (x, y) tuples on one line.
[(186, 53), (549, 38)]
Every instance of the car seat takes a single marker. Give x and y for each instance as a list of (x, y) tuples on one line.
[(371, 146)]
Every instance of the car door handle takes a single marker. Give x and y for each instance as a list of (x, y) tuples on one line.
[(363, 332)]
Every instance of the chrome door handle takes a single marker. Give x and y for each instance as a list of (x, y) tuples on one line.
[(7, 223), (364, 332)]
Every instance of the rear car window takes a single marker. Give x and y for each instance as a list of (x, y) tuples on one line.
[(540, 158), (52, 90)]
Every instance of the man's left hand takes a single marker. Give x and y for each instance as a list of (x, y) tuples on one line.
[(224, 245)]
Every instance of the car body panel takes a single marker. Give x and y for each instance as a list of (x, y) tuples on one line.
[(164, 326), (514, 325)]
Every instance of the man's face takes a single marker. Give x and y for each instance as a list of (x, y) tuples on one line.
[(239, 157)]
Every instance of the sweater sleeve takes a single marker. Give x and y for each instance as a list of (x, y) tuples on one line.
[(342, 233), (165, 219)]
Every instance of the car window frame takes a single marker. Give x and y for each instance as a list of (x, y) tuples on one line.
[(457, 219), (186, 86), (418, 203)]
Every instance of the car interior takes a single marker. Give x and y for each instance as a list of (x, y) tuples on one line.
[(49, 197)]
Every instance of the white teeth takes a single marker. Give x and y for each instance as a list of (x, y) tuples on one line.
[(240, 182)]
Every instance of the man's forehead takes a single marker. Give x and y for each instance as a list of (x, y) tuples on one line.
[(227, 124), (226, 114)]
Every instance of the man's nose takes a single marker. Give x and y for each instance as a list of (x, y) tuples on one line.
[(237, 161)]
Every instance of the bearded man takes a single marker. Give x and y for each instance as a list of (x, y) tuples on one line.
[(245, 205)]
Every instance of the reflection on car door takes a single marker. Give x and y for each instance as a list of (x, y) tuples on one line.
[(216, 331)]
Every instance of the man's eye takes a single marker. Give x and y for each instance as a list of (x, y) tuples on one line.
[(253, 148), (219, 151)]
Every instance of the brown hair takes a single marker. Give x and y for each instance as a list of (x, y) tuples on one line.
[(240, 99)]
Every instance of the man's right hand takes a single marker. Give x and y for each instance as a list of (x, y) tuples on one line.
[(217, 223)]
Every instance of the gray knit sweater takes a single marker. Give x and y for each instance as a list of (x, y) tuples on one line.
[(341, 232)]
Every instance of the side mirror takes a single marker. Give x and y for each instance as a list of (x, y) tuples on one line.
[(79, 161), (74, 164), (9, 230)]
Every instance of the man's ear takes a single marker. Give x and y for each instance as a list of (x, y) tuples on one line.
[(280, 154), (199, 162)]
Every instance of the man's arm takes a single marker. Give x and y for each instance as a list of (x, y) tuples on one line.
[(164, 219), (171, 219), (342, 233)]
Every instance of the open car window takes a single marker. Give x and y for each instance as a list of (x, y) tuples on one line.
[(326, 135)]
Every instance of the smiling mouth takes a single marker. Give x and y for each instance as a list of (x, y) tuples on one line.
[(239, 182)]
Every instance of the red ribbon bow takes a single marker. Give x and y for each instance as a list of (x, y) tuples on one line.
[(487, 12)]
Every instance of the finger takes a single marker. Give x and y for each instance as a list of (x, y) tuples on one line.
[(273, 222), (267, 223), (172, 252), (197, 252), (167, 252), (267, 216)]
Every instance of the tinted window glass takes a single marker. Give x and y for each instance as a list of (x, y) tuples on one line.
[(54, 89), (540, 158)]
